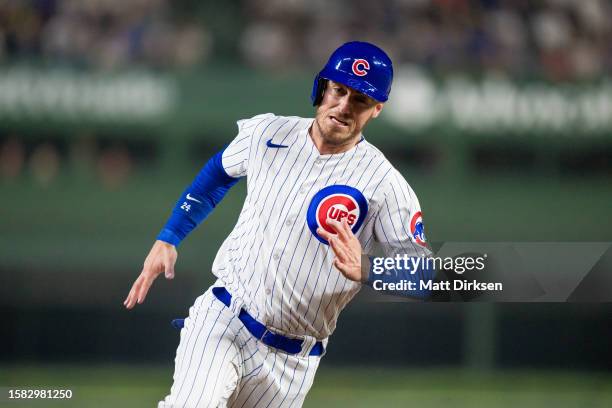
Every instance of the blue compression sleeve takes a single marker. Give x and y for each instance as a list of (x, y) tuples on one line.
[(198, 200), (409, 279)]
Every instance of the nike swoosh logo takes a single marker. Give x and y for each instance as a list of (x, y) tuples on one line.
[(189, 197), (274, 145)]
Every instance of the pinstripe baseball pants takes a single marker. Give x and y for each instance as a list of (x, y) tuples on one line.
[(220, 364)]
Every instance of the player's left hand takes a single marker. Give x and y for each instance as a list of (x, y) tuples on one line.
[(347, 249)]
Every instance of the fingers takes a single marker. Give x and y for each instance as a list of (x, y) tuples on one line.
[(169, 269), (346, 261), (325, 234), (139, 291), (144, 289), (342, 228), (330, 238), (339, 249), (346, 229), (130, 300), (134, 294), (337, 226)]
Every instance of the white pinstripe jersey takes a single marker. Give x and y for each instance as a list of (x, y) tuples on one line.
[(272, 259)]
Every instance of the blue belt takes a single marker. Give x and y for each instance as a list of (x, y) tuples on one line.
[(260, 331)]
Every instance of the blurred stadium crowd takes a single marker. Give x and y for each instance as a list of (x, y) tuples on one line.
[(555, 39), (101, 33)]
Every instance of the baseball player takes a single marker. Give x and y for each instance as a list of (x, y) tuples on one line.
[(319, 196)]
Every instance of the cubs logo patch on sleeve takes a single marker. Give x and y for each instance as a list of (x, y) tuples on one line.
[(417, 229)]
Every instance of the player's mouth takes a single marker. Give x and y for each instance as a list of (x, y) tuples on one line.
[(338, 122)]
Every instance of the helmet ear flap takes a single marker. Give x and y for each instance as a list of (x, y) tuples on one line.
[(318, 95)]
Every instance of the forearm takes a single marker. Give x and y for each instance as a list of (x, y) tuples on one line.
[(197, 201)]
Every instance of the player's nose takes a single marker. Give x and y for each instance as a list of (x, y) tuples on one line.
[(344, 105)]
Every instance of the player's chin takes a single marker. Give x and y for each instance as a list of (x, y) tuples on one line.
[(338, 138), (339, 135)]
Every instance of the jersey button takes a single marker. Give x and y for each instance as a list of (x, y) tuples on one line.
[(289, 222), (318, 161), (268, 292), (276, 257)]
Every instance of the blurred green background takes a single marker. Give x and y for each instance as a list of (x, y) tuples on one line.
[(500, 119)]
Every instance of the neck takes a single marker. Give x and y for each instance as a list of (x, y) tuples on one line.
[(325, 147)]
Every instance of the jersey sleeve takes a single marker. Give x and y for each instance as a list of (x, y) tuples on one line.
[(399, 231), (399, 227), (236, 155)]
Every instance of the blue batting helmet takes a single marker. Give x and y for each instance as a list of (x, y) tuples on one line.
[(358, 65)]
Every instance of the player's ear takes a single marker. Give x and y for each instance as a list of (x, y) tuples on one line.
[(377, 109), (320, 92)]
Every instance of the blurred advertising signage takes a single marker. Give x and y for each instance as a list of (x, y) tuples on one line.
[(496, 103), (78, 96)]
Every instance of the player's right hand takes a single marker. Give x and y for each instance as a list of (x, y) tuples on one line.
[(161, 259)]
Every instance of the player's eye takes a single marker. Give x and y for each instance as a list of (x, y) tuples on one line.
[(362, 100)]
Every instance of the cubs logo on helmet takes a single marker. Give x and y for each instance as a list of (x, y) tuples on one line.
[(336, 203), (417, 229), (360, 67)]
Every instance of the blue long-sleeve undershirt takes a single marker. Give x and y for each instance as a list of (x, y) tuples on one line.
[(198, 200)]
